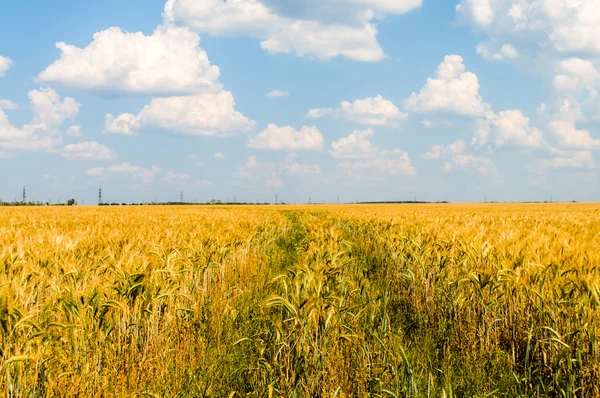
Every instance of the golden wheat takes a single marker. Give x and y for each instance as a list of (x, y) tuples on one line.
[(387, 300)]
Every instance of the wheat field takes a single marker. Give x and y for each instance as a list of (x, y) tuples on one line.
[(301, 301)]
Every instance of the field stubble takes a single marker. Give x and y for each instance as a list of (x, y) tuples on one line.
[(396, 301)]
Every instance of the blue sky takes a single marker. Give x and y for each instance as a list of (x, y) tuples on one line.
[(361, 99)]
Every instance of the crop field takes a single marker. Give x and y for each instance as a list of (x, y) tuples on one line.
[(302, 301)]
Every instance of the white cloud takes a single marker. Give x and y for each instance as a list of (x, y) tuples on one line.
[(8, 105), (278, 94), (512, 128), (74, 131), (180, 178), (373, 111), (553, 26), (358, 146), (507, 51), (469, 163), (442, 151), (480, 12), (208, 114), (355, 146), (49, 109), (219, 155), (564, 128), (287, 138), (169, 62), (137, 173), (399, 164), (87, 150), (125, 124), (576, 74), (483, 131), (258, 172), (301, 168), (427, 124), (321, 29), (5, 64), (204, 183), (94, 171), (454, 91), (460, 160), (42, 134), (577, 160)]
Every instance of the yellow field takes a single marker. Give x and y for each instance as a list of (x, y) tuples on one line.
[(398, 300)]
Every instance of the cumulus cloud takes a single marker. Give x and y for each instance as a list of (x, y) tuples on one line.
[(207, 114), (358, 147), (454, 91), (8, 105), (568, 136), (373, 111), (458, 159), (43, 133), (177, 177), (442, 151), (560, 26), (287, 138), (278, 94), (50, 109), (576, 74), (5, 64), (321, 29), (87, 150), (94, 171), (74, 131), (576, 160), (471, 164), (512, 128), (137, 173), (480, 12), (168, 62), (219, 155), (505, 52), (264, 173)]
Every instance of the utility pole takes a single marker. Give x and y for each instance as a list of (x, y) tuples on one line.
[(276, 199), (100, 196), (234, 198), (24, 195), (309, 200), (181, 197), (338, 200)]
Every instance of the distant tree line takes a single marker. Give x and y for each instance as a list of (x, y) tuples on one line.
[(70, 202)]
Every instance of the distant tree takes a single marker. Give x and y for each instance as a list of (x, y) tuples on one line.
[(71, 202)]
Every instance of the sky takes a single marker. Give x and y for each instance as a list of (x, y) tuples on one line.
[(361, 100)]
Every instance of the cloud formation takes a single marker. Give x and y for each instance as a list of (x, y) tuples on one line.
[(371, 111), (321, 29), (453, 90), (207, 114), (288, 139), (168, 62)]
